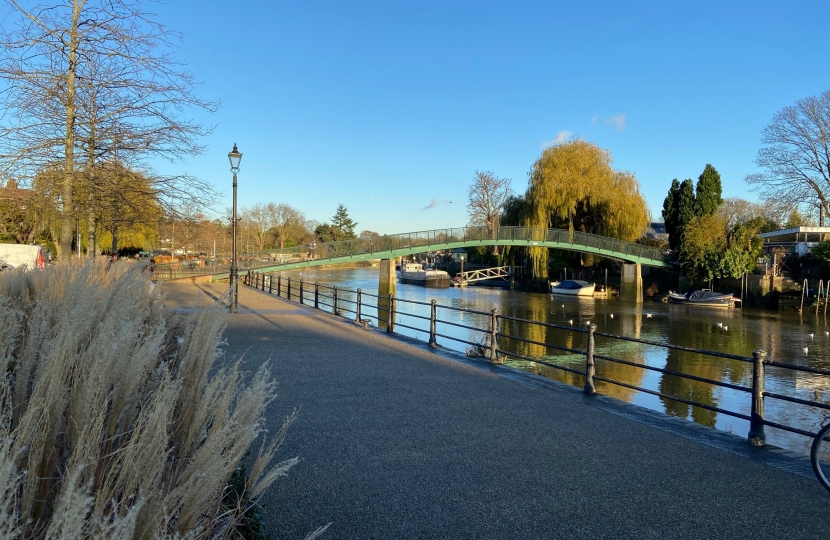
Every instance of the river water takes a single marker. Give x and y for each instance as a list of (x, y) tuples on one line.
[(783, 334)]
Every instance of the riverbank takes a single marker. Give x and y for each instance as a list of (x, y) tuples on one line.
[(398, 441)]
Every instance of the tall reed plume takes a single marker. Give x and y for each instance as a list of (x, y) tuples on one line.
[(114, 421)]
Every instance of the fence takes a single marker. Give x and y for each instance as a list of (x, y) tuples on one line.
[(353, 304)]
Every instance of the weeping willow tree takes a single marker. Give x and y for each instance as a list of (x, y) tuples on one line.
[(573, 186)]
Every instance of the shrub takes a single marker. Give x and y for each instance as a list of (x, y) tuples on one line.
[(114, 422)]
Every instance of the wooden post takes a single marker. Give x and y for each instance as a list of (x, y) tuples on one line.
[(756, 435), (334, 302), (433, 310), (357, 308), (590, 370), (316, 295), (494, 343)]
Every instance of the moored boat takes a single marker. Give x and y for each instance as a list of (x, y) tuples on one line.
[(415, 274), (572, 287), (703, 298)]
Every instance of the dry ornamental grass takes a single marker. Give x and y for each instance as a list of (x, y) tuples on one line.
[(114, 422)]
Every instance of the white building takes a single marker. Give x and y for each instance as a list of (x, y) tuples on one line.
[(796, 239)]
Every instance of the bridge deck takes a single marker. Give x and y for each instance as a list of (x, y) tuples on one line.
[(398, 441), (389, 247)]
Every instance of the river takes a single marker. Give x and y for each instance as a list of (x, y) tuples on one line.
[(783, 334)]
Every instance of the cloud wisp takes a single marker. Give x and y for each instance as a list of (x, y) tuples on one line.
[(618, 121), (561, 137), (435, 202)]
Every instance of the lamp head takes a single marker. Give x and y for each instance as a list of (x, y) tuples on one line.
[(235, 156)]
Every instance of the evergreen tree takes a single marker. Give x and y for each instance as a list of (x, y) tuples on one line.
[(685, 209), (343, 224), (670, 213), (708, 193)]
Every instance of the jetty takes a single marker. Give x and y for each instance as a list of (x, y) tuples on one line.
[(400, 440)]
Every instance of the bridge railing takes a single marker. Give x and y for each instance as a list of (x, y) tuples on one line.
[(500, 341), (610, 247)]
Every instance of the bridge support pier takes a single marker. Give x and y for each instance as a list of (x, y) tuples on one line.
[(631, 283), (386, 286)]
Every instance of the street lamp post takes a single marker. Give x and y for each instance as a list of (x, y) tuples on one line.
[(234, 156)]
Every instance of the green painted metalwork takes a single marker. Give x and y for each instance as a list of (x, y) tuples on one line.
[(391, 246)]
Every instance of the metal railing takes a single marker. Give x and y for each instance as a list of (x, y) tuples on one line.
[(352, 303), (410, 242)]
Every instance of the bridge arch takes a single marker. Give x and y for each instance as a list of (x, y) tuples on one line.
[(398, 245)]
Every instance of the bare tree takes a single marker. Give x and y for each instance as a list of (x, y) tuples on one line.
[(289, 225), (487, 194), (797, 155), (258, 220), (95, 77)]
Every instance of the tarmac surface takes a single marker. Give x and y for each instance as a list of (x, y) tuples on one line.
[(398, 440)]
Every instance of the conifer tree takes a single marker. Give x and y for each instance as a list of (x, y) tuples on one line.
[(343, 224), (708, 193), (670, 213), (685, 202)]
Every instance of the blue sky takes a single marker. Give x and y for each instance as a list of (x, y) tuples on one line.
[(389, 107)]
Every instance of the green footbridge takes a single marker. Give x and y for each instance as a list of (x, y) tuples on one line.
[(398, 245)]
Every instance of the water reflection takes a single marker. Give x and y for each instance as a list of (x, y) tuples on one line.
[(782, 334)]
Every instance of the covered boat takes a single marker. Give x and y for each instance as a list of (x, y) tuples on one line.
[(415, 274), (704, 297), (572, 287)]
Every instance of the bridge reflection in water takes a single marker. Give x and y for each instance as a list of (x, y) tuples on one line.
[(782, 335)]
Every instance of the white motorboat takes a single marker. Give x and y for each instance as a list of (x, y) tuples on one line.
[(572, 287), (704, 298), (415, 274)]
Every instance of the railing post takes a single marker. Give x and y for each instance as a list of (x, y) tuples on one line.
[(263, 282), (288, 295), (301, 291), (590, 370), (279, 285), (316, 295), (357, 308), (433, 311), (494, 329), (271, 284), (390, 324), (334, 302), (756, 435)]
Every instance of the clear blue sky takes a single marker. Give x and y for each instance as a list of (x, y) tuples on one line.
[(389, 106)]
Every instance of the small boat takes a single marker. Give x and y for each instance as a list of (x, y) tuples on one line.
[(704, 297), (572, 287), (415, 274)]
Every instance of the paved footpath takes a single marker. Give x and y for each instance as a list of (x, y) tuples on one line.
[(400, 441)]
